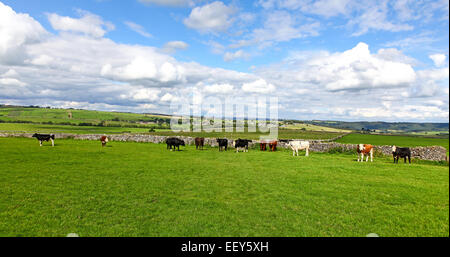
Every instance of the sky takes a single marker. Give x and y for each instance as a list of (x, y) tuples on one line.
[(322, 59)]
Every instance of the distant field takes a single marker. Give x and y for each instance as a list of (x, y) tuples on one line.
[(40, 115), (402, 141), (315, 128), (142, 189), (42, 128)]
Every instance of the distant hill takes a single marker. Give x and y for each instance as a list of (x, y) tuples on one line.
[(380, 126)]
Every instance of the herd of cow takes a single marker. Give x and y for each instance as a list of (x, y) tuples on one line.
[(242, 145)]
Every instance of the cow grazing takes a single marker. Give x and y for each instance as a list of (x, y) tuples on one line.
[(262, 145), (44, 137), (363, 149), (223, 143), (199, 142), (104, 140), (401, 152), (175, 142), (241, 144), (299, 145), (273, 145)]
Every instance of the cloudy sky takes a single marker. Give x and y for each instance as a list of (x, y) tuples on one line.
[(325, 59)]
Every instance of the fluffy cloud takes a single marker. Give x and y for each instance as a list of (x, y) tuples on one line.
[(88, 24), (218, 88), (258, 86), (173, 46), (213, 17), (438, 59), (355, 69), (17, 30)]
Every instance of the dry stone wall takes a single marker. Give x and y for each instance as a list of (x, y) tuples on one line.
[(433, 153)]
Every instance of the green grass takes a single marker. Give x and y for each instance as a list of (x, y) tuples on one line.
[(141, 189), (402, 141), (283, 133), (42, 128)]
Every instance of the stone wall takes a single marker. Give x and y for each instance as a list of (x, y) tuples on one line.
[(433, 153)]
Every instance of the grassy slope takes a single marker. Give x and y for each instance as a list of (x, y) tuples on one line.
[(402, 141), (137, 189)]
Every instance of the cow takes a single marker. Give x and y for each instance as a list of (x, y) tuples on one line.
[(241, 144), (104, 140), (262, 145), (44, 137), (401, 152), (199, 142), (363, 149), (223, 143), (175, 142), (273, 145), (299, 145)]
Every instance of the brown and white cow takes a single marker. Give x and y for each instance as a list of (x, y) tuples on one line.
[(104, 140), (363, 149)]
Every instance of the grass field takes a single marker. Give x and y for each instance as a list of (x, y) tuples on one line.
[(402, 141), (140, 189), (41, 128)]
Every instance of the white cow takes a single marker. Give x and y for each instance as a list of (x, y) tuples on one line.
[(299, 145)]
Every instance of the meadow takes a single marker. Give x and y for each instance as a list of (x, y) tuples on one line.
[(142, 189)]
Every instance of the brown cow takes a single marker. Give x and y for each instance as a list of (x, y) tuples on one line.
[(273, 146), (262, 146), (199, 142), (363, 149), (104, 140)]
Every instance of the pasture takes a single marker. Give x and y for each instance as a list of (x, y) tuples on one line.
[(142, 189)]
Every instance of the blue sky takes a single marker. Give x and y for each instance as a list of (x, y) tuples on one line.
[(324, 59)]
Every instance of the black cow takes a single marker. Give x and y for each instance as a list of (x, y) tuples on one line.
[(175, 142), (223, 142), (44, 137), (398, 152), (241, 144)]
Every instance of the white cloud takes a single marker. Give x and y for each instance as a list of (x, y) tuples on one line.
[(17, 30), (438, 59), (138, 29), (219, 88), (88, 24), (11, 82), (355, 69), (375, 18), (173, 46), (230, 56), (258, 86), (279, 26), (213, 17)]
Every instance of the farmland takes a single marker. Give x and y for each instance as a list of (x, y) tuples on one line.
[(141, 189)]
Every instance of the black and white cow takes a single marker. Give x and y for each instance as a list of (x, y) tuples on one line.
[(223, 143), (175, 142), (241, 144), (44, 137), (401, 152)]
